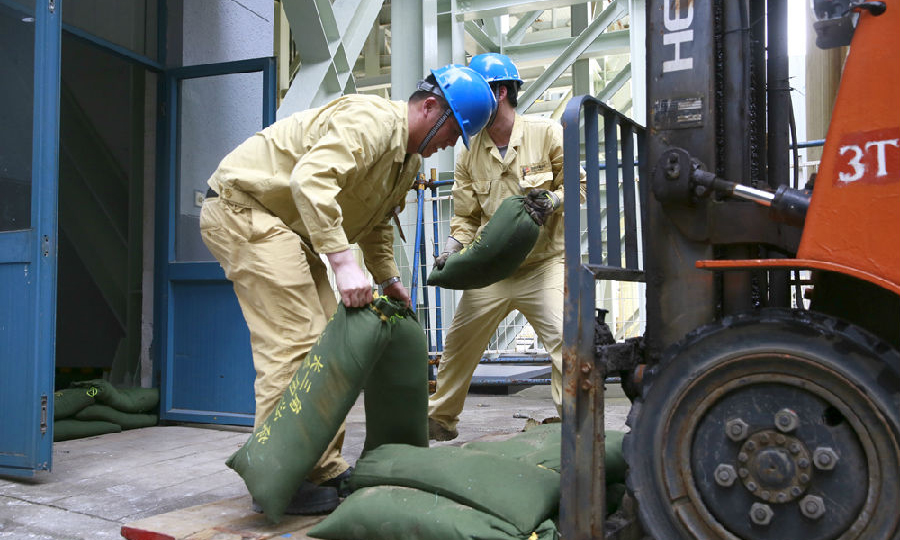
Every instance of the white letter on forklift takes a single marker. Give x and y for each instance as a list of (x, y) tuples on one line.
[(882, 168), (680, 33), (859, 168)]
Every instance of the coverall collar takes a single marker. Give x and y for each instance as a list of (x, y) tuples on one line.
[(515, 141)]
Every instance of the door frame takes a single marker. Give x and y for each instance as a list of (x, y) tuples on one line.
[(168, 271)]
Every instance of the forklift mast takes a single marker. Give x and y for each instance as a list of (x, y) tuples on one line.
[(708, 86)]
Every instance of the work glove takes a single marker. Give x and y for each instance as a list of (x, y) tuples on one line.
[(540, 203), (451, 246)]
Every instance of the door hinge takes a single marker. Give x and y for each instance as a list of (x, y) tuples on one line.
[(44, 414), (52, 6), (45, 245)]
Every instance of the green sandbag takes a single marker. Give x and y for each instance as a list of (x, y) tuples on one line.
[(495, 253), (401, 513), (614, 494), (123, 419), (130, 400), (541, 445), (69, 428), (284, 448), (396, 393), (616, 467), (68, 401), (522, 494)]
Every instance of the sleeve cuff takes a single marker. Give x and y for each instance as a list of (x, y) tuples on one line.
[(329, 241), (384, 270)]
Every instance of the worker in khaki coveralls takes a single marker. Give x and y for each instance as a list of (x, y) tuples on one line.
[(312, 184), (513, 155)]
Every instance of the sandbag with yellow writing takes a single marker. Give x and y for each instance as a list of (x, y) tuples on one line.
[(495, 253), (284, 448), (401, 513), (68, 401), (396, 394), (519, 493)]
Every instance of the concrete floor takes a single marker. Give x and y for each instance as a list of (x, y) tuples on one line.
[(100, 483)]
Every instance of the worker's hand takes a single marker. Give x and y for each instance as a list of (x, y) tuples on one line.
[(450, 247), (398, 292), (352, 283), (540, 203)]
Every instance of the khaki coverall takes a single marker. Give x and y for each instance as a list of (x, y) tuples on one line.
[(310, 184), (534, 160)]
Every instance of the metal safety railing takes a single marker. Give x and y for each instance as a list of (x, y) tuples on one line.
[(583, 481), (430, 299)]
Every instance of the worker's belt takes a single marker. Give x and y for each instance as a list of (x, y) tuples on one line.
[(211, 194)]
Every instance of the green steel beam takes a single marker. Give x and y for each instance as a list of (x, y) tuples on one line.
[(481, 38), (606, 44), (572, 52), (581, 73), (327, 36), (517, 32), (482, 9), (616, 84)]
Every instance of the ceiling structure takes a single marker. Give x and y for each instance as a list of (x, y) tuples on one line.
[(562, 47)]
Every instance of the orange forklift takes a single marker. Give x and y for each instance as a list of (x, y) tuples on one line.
[(766, 387)]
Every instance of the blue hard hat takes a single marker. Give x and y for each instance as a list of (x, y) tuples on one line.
[(495, 67), (469, 96)]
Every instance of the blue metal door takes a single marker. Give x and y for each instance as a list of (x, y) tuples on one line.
[(207, 370), (29, 140)]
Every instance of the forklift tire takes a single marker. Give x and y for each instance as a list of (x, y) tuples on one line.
[(770, 425)]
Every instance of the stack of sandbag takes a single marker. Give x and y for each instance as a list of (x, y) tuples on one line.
[(491, 490), (542, 446), (95, 407), (447, 492), (495, 253), (380, 349)]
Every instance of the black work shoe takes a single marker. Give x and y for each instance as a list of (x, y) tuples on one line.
[(341, 482), (309, 499), (437, 432)]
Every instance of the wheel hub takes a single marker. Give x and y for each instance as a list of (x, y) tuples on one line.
[(775, 467)]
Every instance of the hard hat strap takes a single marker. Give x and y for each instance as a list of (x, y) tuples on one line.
[(495, 89), (434, 129)]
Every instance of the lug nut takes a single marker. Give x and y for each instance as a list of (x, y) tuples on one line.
[(725, 475), (824, 458), (761, 514), (786, 420), (736, 429), (812, 506)]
